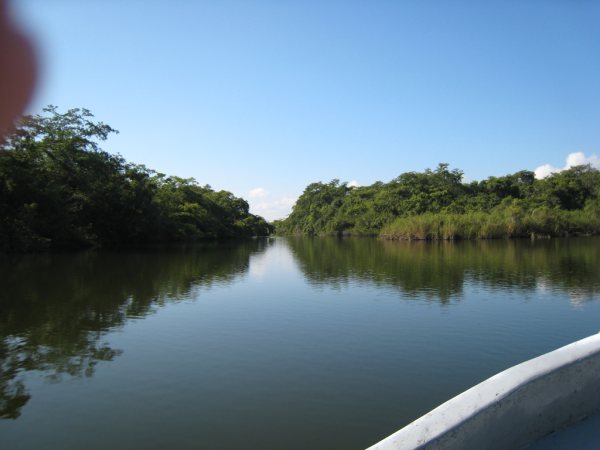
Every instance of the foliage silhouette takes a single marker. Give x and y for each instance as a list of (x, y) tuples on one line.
[(59, 189)]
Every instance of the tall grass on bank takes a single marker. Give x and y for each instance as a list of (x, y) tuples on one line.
[(507, 223)]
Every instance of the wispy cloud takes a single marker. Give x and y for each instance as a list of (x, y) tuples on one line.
[(258, 192), (275, 209), (269, 205), (354, 183), (573, 159)]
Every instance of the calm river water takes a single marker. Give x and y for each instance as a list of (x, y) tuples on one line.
[(273, 344)]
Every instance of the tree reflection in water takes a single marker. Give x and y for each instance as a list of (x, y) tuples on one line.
[(438, 270), (56, 309)]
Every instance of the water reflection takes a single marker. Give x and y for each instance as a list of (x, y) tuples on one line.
[(55, 309), (440, 270)]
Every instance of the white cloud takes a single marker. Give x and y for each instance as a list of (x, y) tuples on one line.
[(579, 158), (274, 209), (268, 205), (544, 171), (258, 192), (573, 159), (354, 183)]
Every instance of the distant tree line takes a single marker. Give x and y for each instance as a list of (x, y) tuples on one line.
[(437, 204), (59, 189)]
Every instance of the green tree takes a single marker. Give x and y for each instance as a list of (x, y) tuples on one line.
[(58, 188), (436, 204)]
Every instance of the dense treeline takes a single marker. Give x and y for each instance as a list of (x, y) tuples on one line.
[(58, 189), (437, 204)]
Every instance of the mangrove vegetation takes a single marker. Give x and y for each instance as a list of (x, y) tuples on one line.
[(59, 189), (438, 204)]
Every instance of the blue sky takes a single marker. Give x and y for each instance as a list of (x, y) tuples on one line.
[(262, 98)]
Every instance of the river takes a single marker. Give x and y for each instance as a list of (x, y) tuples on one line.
[(291, 343)]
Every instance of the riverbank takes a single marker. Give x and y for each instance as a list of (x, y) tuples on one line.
[(60, 191), (538, 223), (437, 204)]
